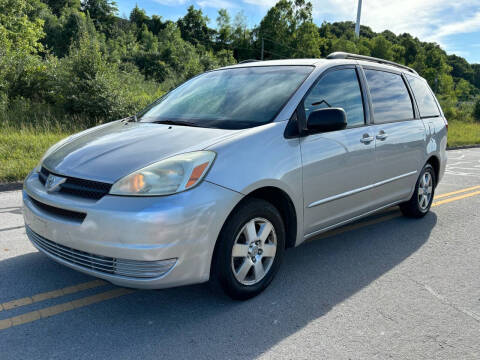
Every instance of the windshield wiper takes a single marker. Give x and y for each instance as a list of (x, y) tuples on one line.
[(176, 122)]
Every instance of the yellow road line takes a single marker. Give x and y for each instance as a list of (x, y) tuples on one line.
[(51, 294), (457, 192), (61, 308), (446, 201)]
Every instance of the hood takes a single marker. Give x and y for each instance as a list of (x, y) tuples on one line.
[(109, 152)]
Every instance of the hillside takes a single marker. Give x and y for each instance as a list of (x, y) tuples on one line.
[(68, 64), (79, 58)]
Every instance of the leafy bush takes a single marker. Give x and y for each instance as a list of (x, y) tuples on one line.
[(476, 111), (85, 83)]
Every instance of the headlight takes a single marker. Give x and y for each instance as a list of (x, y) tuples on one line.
[(166, 177)]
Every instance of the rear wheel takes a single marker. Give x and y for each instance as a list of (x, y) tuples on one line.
[(421, 201), (250, 249)]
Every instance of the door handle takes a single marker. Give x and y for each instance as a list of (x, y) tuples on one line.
[(366, 139), (382, 135)]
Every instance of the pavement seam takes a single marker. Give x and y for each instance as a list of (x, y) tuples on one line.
[(445, 301)]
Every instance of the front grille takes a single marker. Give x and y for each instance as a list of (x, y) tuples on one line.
[(103, 264), (59, 212), (79, 187)]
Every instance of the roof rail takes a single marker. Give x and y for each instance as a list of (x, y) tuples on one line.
[(249, 61), (344, 55)]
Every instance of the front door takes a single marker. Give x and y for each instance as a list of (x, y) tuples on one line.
[(337, 166)]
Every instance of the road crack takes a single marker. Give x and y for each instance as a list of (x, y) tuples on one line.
[(447, 302)]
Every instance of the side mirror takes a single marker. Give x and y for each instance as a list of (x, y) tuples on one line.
[(325, 120)]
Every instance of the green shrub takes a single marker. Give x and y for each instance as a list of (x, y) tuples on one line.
[(476, 111), (85, 83)]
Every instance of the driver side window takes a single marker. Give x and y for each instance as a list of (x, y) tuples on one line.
[(339, 89)]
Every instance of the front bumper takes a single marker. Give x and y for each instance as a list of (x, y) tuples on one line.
[(180, 228)]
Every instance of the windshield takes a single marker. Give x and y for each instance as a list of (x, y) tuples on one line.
[(231, 99)]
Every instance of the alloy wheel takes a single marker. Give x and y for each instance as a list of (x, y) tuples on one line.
[(425, 190), (254, 251)]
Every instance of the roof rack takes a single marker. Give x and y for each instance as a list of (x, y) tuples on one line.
[(249, 61), (344, 55)]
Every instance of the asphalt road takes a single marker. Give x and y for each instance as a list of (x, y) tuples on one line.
[(384, 288)]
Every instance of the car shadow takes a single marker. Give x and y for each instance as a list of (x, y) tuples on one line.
[(193, 322)]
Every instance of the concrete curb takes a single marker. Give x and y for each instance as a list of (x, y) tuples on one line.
[(11, 186), (463, 147)]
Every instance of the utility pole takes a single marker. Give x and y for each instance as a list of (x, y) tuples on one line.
[(263, 48), (359, 13)]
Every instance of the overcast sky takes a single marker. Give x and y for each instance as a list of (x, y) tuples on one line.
[(454, 24)]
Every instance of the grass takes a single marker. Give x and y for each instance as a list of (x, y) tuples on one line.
[(27, 130), (463, 133), (22, 147)]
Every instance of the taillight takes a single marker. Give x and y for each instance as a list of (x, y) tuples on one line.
[(446, 122)]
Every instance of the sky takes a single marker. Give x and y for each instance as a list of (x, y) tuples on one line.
[(454, 24)]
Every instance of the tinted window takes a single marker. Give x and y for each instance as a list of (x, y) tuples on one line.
[(340, 89), (231, 98), (425, 101), (390, 97)]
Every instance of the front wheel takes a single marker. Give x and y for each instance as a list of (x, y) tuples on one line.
[(250, 249), (421, 201)]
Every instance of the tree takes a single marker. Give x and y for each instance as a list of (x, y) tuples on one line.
[(463, 90), (62, 32), (148, 40), (398, 53), (138, 17), (460, 68), (411, 48), (156, 24), (19, 47), (102, 12), (224, 32), (241, 38), (58, 6), (194, 29), (343, 44), (381, 48), (279, 26), (476, 75), (17, 31), (308, 41), (86, 83)]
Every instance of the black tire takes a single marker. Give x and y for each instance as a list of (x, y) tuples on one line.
[(413, 208), (223, 264)]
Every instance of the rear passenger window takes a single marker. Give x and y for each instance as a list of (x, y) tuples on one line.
[(390, 97), (424, 97), (340, 89)]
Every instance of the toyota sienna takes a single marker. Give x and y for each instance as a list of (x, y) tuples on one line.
[(218, 177)]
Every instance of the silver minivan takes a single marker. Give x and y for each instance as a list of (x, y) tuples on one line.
[(216, 179)]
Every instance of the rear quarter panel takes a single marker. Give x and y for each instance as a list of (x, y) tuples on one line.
[(437, 142)]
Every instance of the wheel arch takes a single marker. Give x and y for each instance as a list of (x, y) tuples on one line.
[(435, 162), (282, 202)]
